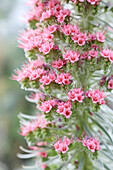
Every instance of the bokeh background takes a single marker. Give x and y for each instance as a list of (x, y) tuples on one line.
[(12, 98)]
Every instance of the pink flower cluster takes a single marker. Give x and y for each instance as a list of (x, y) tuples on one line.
[(91, 143), (69, 29), (108, 54), (31, 70), (47, 79), (77, 36), (64, 108), (35, 70), (57, 64), (76, 95), (38, 39), (63, 78), (99, 36), (92, 2), (97, 96), (46, 106), (93, 53), (71, 56), (43, 11), (32, 126), (62, 145)]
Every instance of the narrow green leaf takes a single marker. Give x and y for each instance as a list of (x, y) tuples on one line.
[(109, 157), (86, 129), (102, 128)]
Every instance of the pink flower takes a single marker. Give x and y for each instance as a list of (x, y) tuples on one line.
[(62, 145), (46, 47), (92, 2), (71, 96), (53, 102), (93, 53), (44, 166), (75, 1), (105, 53), (91, 146), (60, 109), (59, 79), (64, 109), (42, 123), (52, 76), (92, 36), (66, 29), (35, 74), (97, 96), (57, 146), (64, 148), (43, 154), (63, 78), (67, 55), (79, 98), (45, 15), (110, 84), (81, 0), (45, 80), (81, 41), (71, 56), (91, 143), (46, 107), (68, 104), (51, 28), (76, 94), (67, 113), (74, 57), (26, 129), (100, 37), (57, 64), (61, 18), (111, 56)]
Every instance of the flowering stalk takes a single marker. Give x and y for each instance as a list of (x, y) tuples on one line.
[(64, 58)]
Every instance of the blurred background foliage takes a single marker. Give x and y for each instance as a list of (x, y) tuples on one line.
[(12, 98)]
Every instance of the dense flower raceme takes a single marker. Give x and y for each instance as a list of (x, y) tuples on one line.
[(91, 143), (49, 9), (65, 55), (40, 122)]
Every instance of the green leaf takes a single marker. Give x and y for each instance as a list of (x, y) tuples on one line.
[(87, 129), (102, 128)]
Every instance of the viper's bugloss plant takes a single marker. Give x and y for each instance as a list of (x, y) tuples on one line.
[(69, 71)]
